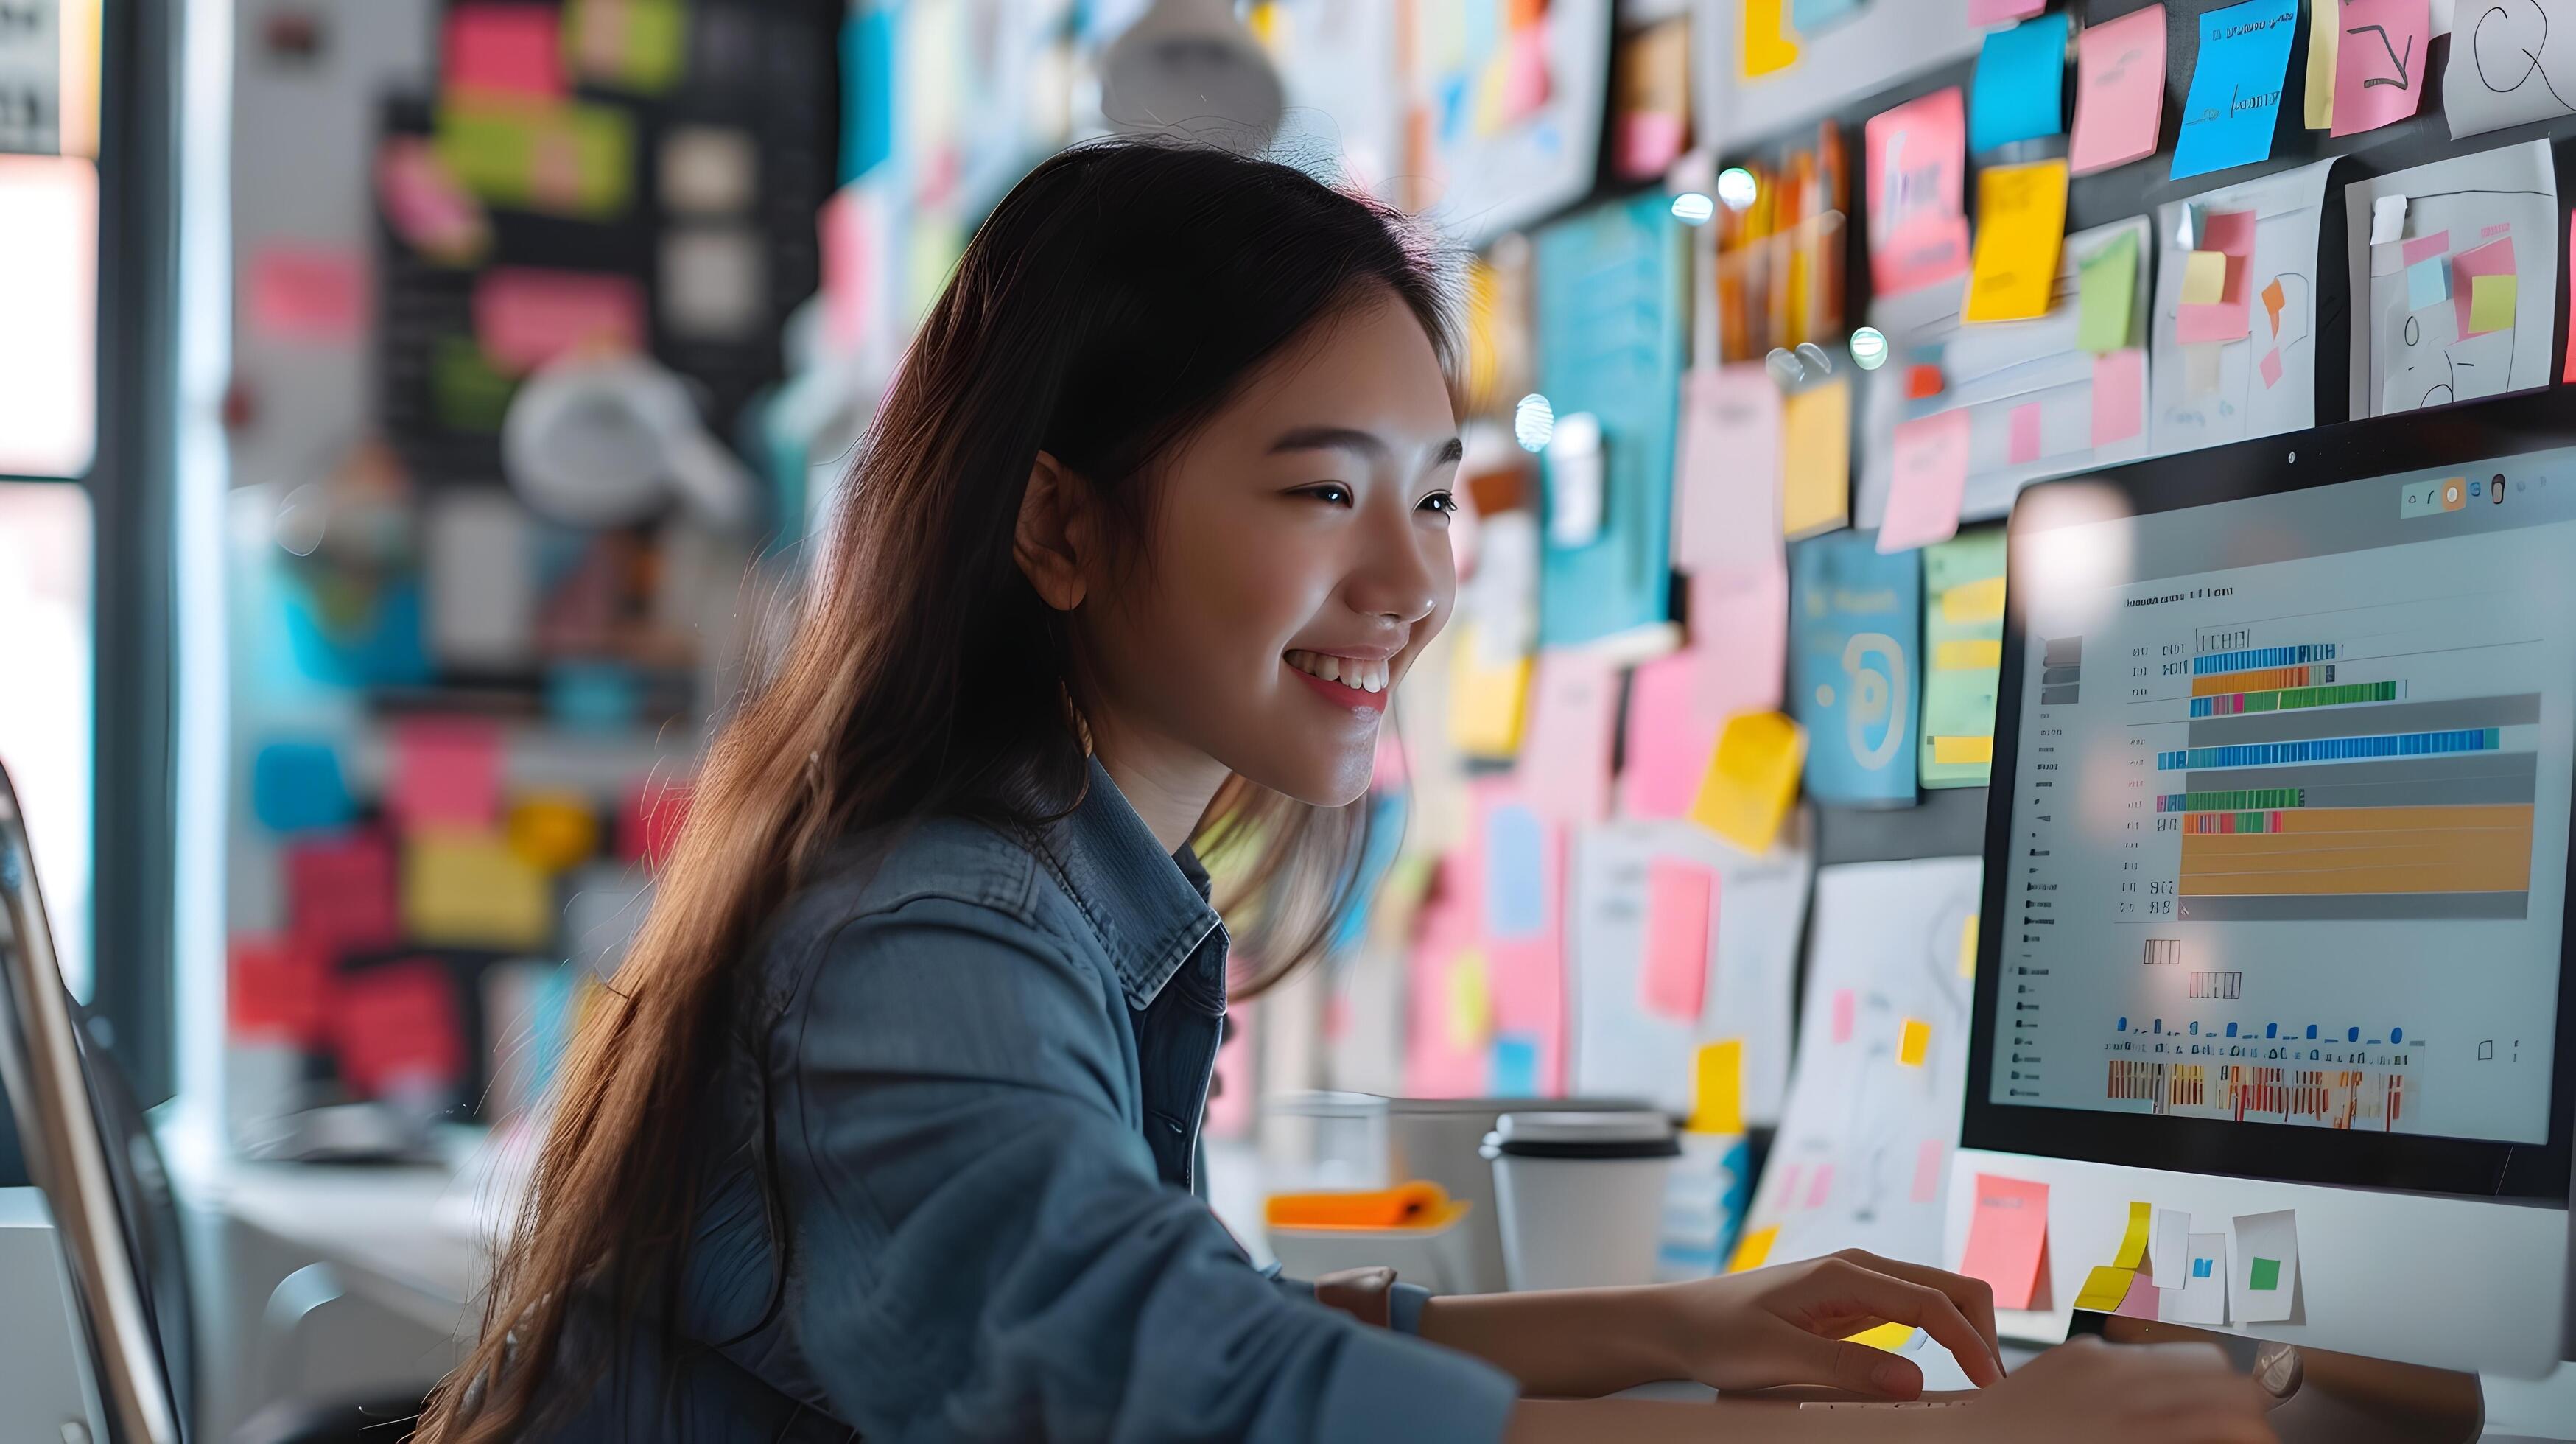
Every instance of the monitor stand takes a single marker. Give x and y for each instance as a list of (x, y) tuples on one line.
[(2324, 1395)]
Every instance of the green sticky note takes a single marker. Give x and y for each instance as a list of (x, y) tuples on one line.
[(2266, 1275), (2107, 289), (2491, 303)]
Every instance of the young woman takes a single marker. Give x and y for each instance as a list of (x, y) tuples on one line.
[(891, 1130)]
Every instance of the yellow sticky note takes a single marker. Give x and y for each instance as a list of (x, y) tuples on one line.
[(1717, 1103), (2021, 223), (1471, 1009), (2323, 42), (2491, 302), (1815, 459), (1767, 45), (1752, 1249), (1752, 778), (1968, 936), (1977, 601), (1890, 1337), (2133, 1244), (1485, 703), (554, 830), (1912, 1040), (1974, 654), (2104, 1288), (468, 889), (2204, 278), (1963, 751)]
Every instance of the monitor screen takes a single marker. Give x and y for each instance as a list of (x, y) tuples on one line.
[(2288, 812)]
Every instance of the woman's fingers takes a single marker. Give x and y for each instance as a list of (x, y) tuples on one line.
[(1854, 1368), (1926, 1308), (1974, 1297)]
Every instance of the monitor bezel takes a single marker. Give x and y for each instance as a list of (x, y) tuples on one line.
[(2292, 1153)]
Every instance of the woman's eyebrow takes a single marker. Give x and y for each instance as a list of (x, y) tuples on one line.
[(1346, 438)]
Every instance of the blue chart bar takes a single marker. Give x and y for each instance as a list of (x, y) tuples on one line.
[(2262, 657), (2331, 749)]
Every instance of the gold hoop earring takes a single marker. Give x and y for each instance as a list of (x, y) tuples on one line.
[(1073, 715)]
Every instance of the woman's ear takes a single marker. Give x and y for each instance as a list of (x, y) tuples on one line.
[(1054, 540)]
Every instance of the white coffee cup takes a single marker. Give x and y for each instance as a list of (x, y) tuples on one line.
[(1580, 1196)]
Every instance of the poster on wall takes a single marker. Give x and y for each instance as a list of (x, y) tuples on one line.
[(2459, 259), (2235, 345), (1509, 98)]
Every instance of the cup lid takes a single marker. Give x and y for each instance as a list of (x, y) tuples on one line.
[(1623, 1126)]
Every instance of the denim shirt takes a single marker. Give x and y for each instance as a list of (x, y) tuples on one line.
[(957, 1120)]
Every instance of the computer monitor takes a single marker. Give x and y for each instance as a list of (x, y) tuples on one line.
[(2277, 874)]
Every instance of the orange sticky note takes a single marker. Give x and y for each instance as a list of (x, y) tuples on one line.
[(1681, 900), (1913, 1039), (2273, 300), (2021, 223), (2008, 1238), (1752, 778), (1767, 46), (1752, 1250)]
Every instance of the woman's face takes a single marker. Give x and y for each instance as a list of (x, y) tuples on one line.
[(1298, 562)]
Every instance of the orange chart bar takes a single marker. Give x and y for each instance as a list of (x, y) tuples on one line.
[(2344, 850), (2267, 679)]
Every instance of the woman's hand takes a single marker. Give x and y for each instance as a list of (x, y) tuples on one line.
[(2133, 1394), (1788, 1324)]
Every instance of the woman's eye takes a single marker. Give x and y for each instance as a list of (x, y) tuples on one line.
[(1331, 493), (1441, 502)]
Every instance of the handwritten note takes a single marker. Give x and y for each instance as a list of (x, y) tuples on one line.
[(1752, 778), (1931, 476), (2008, 1238), (2119, 91), (2380, 61), (1680, 903), (1815, 465), (2511, 64), (1918, 231), (2021, 223), (2106, 288), (2235, 98), (1574, 716), (2018, 86)]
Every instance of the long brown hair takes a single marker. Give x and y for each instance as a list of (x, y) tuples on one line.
[(1117, 297)]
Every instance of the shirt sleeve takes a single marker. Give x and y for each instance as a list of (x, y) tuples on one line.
[(984, 1250), (1403, 1302)]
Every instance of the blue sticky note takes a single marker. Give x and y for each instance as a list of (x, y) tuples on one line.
[(2236, 86), (2428, 283), (1854, 617), (2201, 1267), (1515, 872), (297, 787), (1513, 1070), (2020, 89), (1809, 16), (594, 696)]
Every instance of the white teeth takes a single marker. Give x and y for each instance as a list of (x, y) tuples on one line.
[(1349, 671)]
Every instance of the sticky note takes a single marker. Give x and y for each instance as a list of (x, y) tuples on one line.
[(1515, 872), (396, 1030), (305, 294), (1922, 381), (1982, 13), (2019, 84), (1963, 751), (2199, 1295), (2264, 1250), (2104, 1288), (526, 316), (2273, 300), (2119, 91), (1753, 1249), (1680, 898), (2270, 368), (1918, 226), (1913, 1039), (1574, 719), (340, 895), (1470, 1016), (2142, 1299), (1752, 778), (2322, 44), (2106, 286), (2428, 283), (2204, 278), (1931, 477), (1717, 1093), (1968, 940), (2423, 248), (1955, 656), (2021, 223), (2024, 430), (2491, 303), (1977, 601), (426, 205), (632, 45), (468, 889), (297, 787), (2380, 62), (2494, 259), (2230, 235), (1815, 459), (565, 159), (1514, 1066), (446, 772), (279, 991), (1485, 701), (2132, 1253), (1928, 1157), (2235, 97), (2007, 1238), (1766, 46), (552, 831), (1669, 736), (1844, 1003), (2168, 1249), (1821, 1186), (501, 50), (1890, 1337)]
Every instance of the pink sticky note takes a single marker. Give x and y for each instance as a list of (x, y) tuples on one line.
[(1996, 12), (2025, 433), (1574, 716), (504, 50), (1927, 1171), (1437, 1062), (340, 894), (2424, 248), (2119, 91), (526, 317), (1789, 1179), (446, 773), (1843, 1006), (1726, 471), (1931, 460), (1918, 169), (2500, 228), (2141, 1301), (1739, 625), (1669, 737), (305, 293), (425, 204), (2007, 1238), (1649, 141), (2228, 318), (2380, 62), (2271, 368), (1680, 900), (2495, 258), (1528, 967), (2119, 395), (2195, 325), (1821, 1186)]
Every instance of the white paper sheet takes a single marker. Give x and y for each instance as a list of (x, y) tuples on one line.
[(2228, 400), (2404, 359), (2166, 1260), (1623, 1050), (1862, 1156), (2259, 1236), (2512, 62), (2202, 1299), (1993, 369), (1894, 39)]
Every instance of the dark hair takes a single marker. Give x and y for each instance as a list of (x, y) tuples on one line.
[(1120, 295)]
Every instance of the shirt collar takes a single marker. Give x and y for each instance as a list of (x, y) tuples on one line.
[(1149, 907)]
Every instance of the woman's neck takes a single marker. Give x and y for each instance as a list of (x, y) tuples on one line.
[(1169, 785)]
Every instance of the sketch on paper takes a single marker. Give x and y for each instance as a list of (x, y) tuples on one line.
[(2512, 62), (2263, 382), (2464, 300)]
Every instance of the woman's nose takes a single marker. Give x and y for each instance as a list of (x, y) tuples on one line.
[(1396, 578)]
